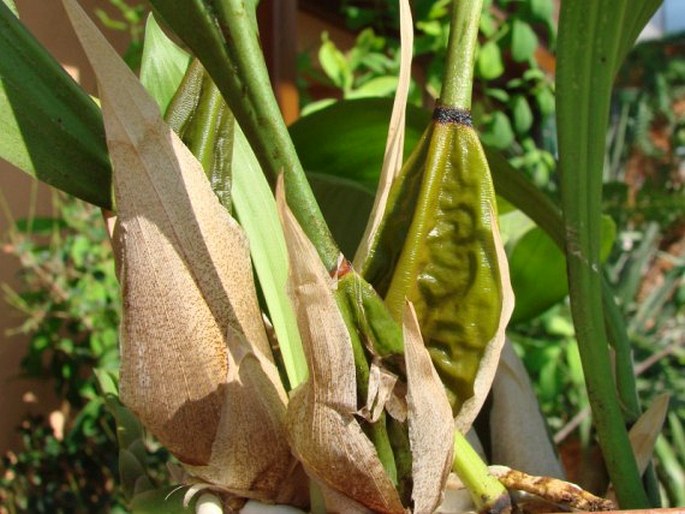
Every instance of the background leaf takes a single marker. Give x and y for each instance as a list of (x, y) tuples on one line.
[(538, 270), (347, 139), (345, 205), (163, 64), (489, 61), (524, 42)]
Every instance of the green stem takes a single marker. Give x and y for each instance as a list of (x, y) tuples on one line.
[(584, 80), (265, 128), (223, 35), (487, 493), (461, 52)]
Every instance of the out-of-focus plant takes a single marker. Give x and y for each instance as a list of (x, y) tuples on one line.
[(69, 302), (130, 19), (514, 99)]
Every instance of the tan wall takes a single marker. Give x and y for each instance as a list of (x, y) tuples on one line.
[(47, 21)]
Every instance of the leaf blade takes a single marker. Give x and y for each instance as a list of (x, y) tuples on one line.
[(40, 102)]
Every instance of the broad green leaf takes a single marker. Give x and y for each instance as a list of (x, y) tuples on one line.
[(50, 127), (524, 42), (538, 270), (163, 64), (489, 63), (256, 210), (345, 205), (348, 138)]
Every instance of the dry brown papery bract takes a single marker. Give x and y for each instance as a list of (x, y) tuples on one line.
[(196, 365)]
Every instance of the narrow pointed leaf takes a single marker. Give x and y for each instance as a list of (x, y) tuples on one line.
[(256, 210), (196, 362), (394, 146), (585, 74)]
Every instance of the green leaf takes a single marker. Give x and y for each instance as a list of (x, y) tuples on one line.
[(378, 86), (538, 270), (545, 100), (524, 42), (489, 63), (542, 10), (50, 127), (347, 139), (523, 116), (334, 63), (163, 64), (256, 210), (497, 131), (346, 207)]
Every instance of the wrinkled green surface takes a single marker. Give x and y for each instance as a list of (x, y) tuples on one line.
[(379, 268), (443, 204)]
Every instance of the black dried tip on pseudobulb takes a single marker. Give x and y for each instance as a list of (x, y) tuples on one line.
[(443, 114)]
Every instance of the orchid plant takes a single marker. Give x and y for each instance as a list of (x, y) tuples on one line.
[(278, 370)]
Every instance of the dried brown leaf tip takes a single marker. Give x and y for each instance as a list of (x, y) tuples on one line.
[(429, 415), (322, 426), (196, 364)]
